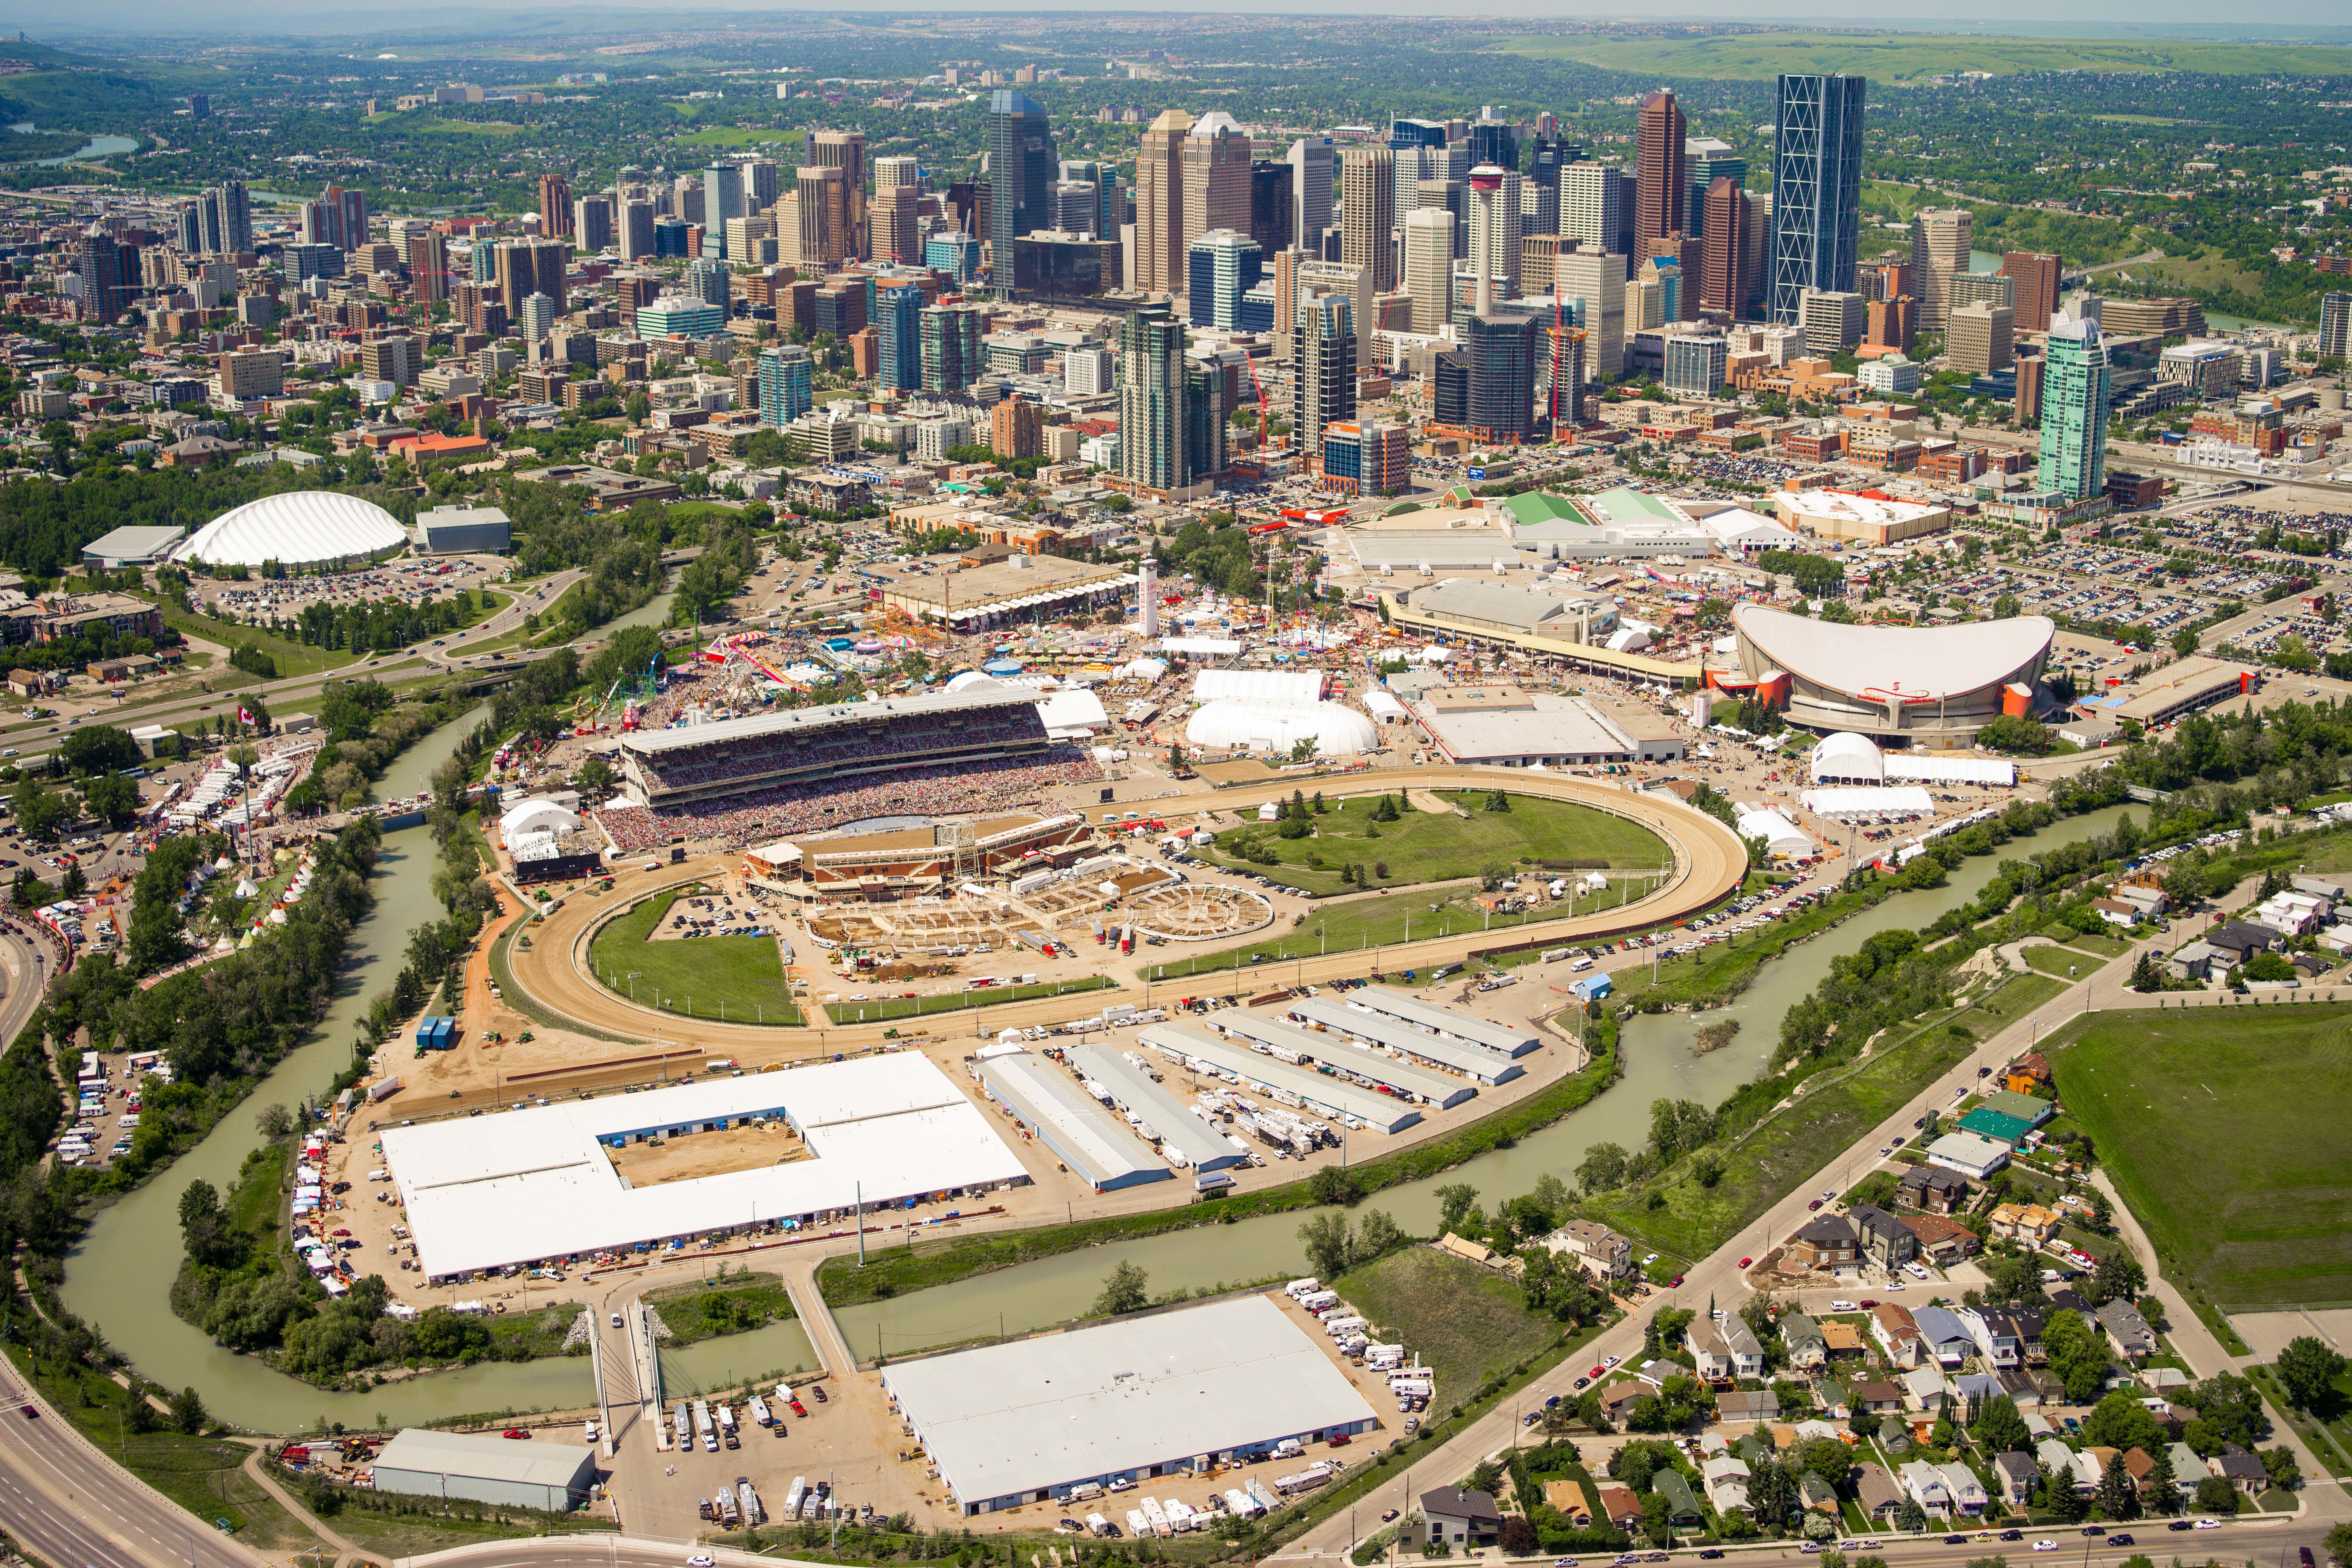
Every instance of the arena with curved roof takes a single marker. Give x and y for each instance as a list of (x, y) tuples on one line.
[(303, 530), (1924, 685)]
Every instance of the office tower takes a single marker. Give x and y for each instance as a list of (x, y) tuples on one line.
[(1564, 375), (1110, 197), (1090, 371), (535, 318), (1493, 243), (897, 321), (956, 255), (1322, 367), (784, 385), (1981, 288), (1597, 278), (2035, 297), (894, 226), (1694, 365), (2074, 399), (951, 346), (1660, 135), (1314, 170), (675, 237), (1446, 196), (1724, 278), (1362, 457), (2028, 402), (1494, 140), (1486, 388), (711, 281), (636, 230), (304, 262), (1225, 266), (1159, 259), (763, 183), (1538, 263), (555, 206), (685, 203), (1216, 158), (893, 169), (1429, 266), (188, 228), (1592, 204), (1206, 437), (1076, 207), (1831, 320), (109, 270), (1892, 322), (427, 260), (1151, 399), (1020, 177), (1311, 275), (2335, 326), (1939, 251), (1548, 154), (1706, 161), (722, 198), (1273, 205), (1979, 336), (1287, 263), (1885, 280), (591, 222), (845, 151), (821, 202), (1816, 189), (1367, 211)]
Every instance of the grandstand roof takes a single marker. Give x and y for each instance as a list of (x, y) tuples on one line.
[(1919, 662), (973, 698)]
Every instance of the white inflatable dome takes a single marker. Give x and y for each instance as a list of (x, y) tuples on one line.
[(1848, 756), (1233, 723), (302, 530), (537, 815)]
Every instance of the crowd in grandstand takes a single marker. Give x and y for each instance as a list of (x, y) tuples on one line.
[(947, 789), (754, 757)]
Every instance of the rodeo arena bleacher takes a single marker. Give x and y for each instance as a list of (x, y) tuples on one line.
[(743, 780)]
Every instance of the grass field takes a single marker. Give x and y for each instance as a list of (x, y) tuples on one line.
[(293, 658), (1427, 846), (738, 979), (1899, 57), (2058, 961), (2223, 1129), (697, 1311), (882, 1010), (1467, 1323), (735, 136)]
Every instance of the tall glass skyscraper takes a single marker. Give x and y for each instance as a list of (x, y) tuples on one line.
[(1152, 445), (897, 319), (1020, 177), (784, 385), (2075, 396), (1223, 265), (1816, 190)]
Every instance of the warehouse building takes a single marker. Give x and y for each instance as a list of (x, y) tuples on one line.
[(463, 531), (1128, 1401), (1082, 1132), (135, 544), (474, 1468), (1512, 1041), (1233, 1063), (1184, 1138), (1374, 1030), (1286, 1042), (1501, 725)]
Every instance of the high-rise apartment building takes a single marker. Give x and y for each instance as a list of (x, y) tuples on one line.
[(785, 379), (1660, 134), (2035, 275), (1724, 282), (2335, 326), (2076, 393), (1160, 251), (1816, 229), (1016, 428), (1151, 399), (555, 206), (634, 230), (1494, 242), (1940, 253), (1981, 288), (1313, 276), (712, 281), (1314, 173), (1592, 204), (845, 151), (1978, 338), (897, 321), (1021, 167), (427, 260), (591, 222), (952, 359), (722, 198), (1224, 265), (1368, 214), (821, 203), (1597, 277), (1892, 322), (1322, 366), (1486, 388), (524, 268), (1429, 266)]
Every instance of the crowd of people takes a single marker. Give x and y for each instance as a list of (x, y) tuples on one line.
[(858, 744), (946, 789)]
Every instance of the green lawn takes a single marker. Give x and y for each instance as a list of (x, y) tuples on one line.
[(1425, 846), (293, 658), (735, 136), (739, 979), (1466, 1323), (881, 1010), (2057, 961), (1372, 922), (1895, 57), (2223, 1129), (700, 1311)]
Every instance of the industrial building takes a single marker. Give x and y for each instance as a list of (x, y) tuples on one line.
[(1126, 1401), (479, 1468), (132, 546), (1863, 515), (1501, 725), (1085, 1134), (463, 531), (2183, 687), (1343, 1055), (1372, 1029), (527, 1186), (1512, 1041), (1235, 1062), (1135, 1091), (1899, 685)]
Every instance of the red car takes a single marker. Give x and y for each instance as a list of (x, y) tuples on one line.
[(1598, 1371), (1867, 1303), (515, 1432), (1745, 1262), (1816, 1204), (1675, 1283)]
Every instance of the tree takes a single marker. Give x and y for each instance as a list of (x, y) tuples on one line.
[(273, 1122), (2163, 1488), (188, 1412), (2229, 1407), (1771, 1492), (2118, 1498), (1819, 1526), (2216, 1495), (1484, 1476), (2308, 1370), (1378, 1234), (2119, 1276), (1123, 1290), (112, 797), (1519, 1538), (2281, 1465), (1455, 1203), (1602, 1169), (1909, 1517), (2001, 1428), (2339, 1543), (2120, 1421), (100, 748), (2005, 607), (205, 1231), (1330, 1241), (41, 812), (2184, 641), (2077, 1356)]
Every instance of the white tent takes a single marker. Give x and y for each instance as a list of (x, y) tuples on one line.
[(537, 815), (1258, 685), (1783, 840), (1869, 800), (1848, 759)]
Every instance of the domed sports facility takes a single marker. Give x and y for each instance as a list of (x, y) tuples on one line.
[(1900, 685), (303, 530)]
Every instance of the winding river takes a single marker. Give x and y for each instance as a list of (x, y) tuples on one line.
[(115, 1278)]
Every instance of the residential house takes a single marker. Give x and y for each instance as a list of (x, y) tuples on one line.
[(1967, 1492), (2030, 1388), (1943, 1240), (2238, 940), (2030, 1109), (1619, 1398), (1460, 1517), (1746, 1350), (1727, 1483), (1619, 1506), (1897, 1334), (1683, 1511), (1598, 1251), (1567, 1499), (2056, 1457), (2065, 1299), (1886, 1241), (1840, 1338), (1995, 1334), (1725, 1348), (2195, 960), (1816, 1495), (1947, 1338), (2027, 1073), (2141, 1467), (1826, 1241), (1875, 1491), (2027, 1222), (1833, 1397), (1736, 1405), (1878, 1396), (2126, 1330), (2117, 911), (1972, 1391), (1924, 1387), (1932, 1189), (2241, 1469), (1990, 1125), (1969, 1154), (1655, 1373), (1926, 1485), (2296, 914), (2148, 897), (2016, 1473), (1807, 1351), (2188, 1468), (2089, 1467)]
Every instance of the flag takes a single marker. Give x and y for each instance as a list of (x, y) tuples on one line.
[(243, 714)]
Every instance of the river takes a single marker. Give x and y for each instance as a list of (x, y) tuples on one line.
[(114, 1280), (96, 147)]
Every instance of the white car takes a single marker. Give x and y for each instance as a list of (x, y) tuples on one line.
[(700, 1559), (1844, 1307), (2045, 1545), (2208, 1524)]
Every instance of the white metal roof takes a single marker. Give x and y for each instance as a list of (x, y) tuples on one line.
[(979, 696), (483, 1192), (1325, 1096), (1868, 801), (1345, 1055), (1041, 1413), (1471, 1061), (1949, 769), (1915, 663), (1511, 1040), (1169, 1119), (302, 528), (478, 1458), (1259, 686), (1104, 1150)]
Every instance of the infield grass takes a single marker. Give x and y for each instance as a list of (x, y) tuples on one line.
[(739, 979)]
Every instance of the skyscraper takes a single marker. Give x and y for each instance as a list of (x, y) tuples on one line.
[(1274, 204), (821, 202), (1310, 276), (1151, 400), (1816, 189), (1724, 280), (1206, 448), (1216, 158), (1592, 204), (1659, 201), (1020, 177), (1429, 266), (1224, 265), (636, 230), (109, 270), (2035, 297), (845, 151), (2074, 400), (1314, 170), (525, 268), (1548, 154), (2335, 326), (428, 265), (1368, 204), (554, 205), (1939, 251), (899, 329), (1597, 278), (784, 383), (1978, 338), (722, 198), (1159, 204), (1494, 245), (1494, 140), (1486, 388), (591, 222), (710, 281), (1322, 366)]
